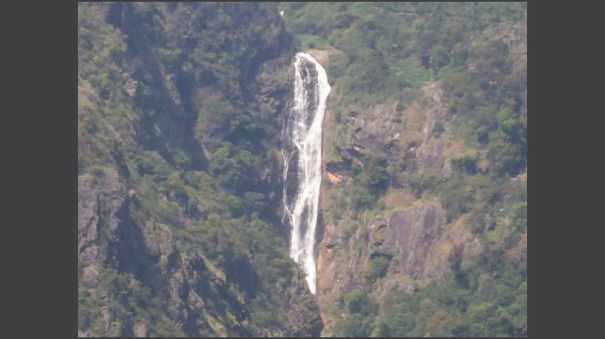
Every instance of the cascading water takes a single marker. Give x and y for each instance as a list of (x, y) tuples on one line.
[(302, 139)]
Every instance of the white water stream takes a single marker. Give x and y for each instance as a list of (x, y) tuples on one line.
[(302, 134)]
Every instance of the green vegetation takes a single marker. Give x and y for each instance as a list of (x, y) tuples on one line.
[(370, 182), (485, 298), (183, 100), (195, 140), (385, 53), (377, 268)]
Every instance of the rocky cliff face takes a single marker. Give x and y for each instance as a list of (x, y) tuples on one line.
[(100, 198), (409, 237), (173, 101), (411, 233), (145, 264), (375, 134), (422, 128)]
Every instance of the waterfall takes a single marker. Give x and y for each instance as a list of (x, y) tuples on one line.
[(302, 149)]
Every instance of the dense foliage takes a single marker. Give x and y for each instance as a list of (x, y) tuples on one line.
[(195, 141), (386, 53), (183, 100)]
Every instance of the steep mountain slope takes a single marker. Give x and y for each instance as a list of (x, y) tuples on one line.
[(424, 196), (422, 222), (179, 172)]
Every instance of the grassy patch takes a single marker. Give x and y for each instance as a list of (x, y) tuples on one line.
[(409, 72)]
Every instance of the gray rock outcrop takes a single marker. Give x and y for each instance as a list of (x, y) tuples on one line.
[(409, 237)]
